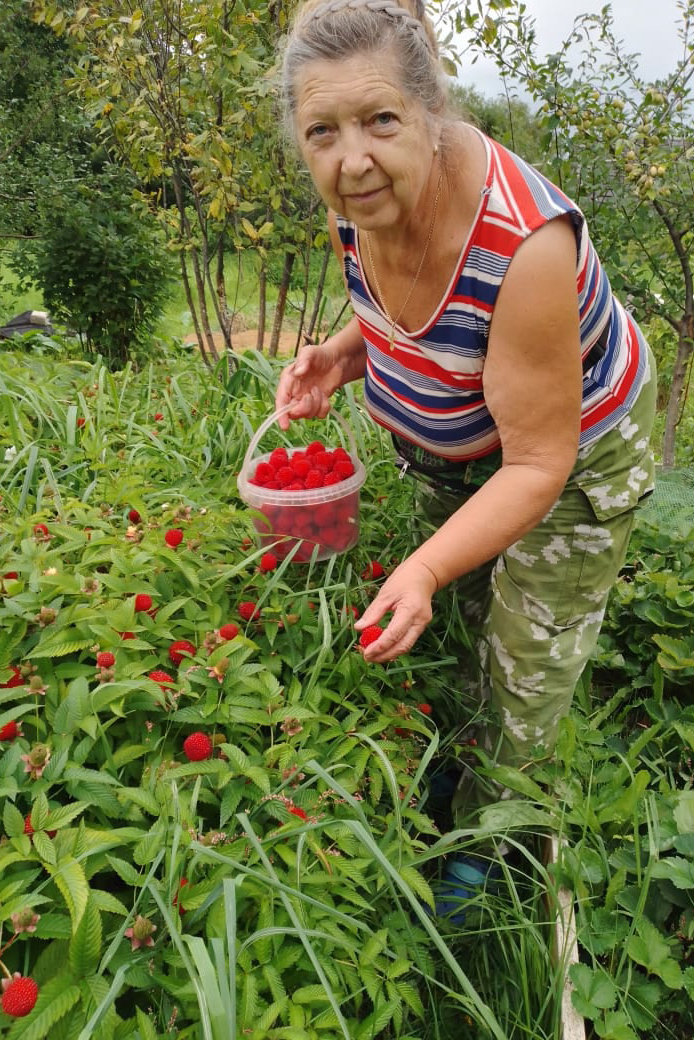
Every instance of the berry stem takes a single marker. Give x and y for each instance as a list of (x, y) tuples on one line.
[(7, 945)]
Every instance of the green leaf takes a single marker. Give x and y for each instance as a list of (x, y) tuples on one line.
[(145, 1027), (85, 945), (107, 902), (44, 847), (12, 820), (39, 812), (650, 949), (593, 990), (676, 869), (60, 647), (125, 871), (615, 1026), (74, 888)]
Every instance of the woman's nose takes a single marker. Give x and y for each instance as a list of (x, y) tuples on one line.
[(356, 154)]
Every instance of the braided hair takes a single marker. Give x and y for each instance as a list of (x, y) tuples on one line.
[(336, 30)]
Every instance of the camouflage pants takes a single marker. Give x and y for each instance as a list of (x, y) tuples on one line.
[(540, 605)]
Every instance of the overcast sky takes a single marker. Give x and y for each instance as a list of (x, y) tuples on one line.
[(647, 27)]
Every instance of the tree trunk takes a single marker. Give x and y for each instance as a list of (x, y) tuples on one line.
[(320, 288), (281, 303), (224, 312), (262, 305), (678, 388)]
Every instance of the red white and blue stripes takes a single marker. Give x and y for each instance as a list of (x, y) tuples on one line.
[(428, 388)]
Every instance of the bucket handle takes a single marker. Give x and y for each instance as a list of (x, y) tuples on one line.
[(265, 426)]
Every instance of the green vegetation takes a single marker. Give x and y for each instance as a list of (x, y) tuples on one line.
[(277, 886)]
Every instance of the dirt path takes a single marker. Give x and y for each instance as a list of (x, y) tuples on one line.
[(246, 339)]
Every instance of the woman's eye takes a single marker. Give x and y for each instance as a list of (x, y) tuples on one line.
[(384, 119), (320, 130)]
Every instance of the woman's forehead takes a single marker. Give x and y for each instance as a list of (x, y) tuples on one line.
[(357, 81)]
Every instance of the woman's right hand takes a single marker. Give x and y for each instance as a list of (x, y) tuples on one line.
[(308, 383)]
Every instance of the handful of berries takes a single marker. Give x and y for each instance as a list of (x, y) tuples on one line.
[(304, 505)]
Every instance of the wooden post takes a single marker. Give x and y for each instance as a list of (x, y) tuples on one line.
[(565, 950)]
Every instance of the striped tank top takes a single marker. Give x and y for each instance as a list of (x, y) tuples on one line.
[(428, 387)]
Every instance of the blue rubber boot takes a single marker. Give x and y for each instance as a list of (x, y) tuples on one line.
[(464, 877)]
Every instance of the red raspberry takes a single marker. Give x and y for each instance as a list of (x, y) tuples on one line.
[(268, 562), (180, 649), (158, 416), (345, 468), (162, 678), (229, 631), (19, 996), (249, 611), (324, 458), (176, 900), (278, 458), (127, 635), (284, 475), (300, 467), (80, 422), (340, 454), (173, 537), (10, 576), (425, 709), (314, 447), (143, 602), (314, 479), (296, 811), (263, 471), (373, 570), (296, 456), (296, 485), (197, 747), (105, 659), (370, 635), (133, 516), (40, 531), (10, 731), (350, 611), (331, 478), (28, 829)]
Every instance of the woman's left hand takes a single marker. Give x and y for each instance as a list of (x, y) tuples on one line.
[(407, 595)]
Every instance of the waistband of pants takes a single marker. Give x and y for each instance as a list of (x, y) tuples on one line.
[(455, 477)]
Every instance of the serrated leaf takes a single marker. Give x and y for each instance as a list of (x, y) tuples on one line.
[(55, 999), (417, 883), (60, 648), (593, 990), (108, 903), (125, 871), (143, 799), (64, 814), (145, 1027), (39, 812), (146, 849), (123, 755), (12, 820), (44, 847), (85, 945), (676, 869), (74, 888)]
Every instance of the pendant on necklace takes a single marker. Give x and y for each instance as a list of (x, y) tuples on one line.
[(391, 338)]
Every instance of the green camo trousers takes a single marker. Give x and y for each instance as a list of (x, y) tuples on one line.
[(540, 605)]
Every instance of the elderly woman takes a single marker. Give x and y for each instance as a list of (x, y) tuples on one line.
[(491, 347)]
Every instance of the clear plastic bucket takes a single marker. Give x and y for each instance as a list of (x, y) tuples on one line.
[(312, 524)]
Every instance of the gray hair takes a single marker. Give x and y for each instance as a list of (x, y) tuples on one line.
[(335, 30)]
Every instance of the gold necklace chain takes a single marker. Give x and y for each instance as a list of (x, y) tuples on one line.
[(396, 319)]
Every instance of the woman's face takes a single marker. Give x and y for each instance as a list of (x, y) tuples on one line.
[(368, 147)]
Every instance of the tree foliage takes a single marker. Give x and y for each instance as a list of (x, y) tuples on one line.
[(622, 147), (182, 95)]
